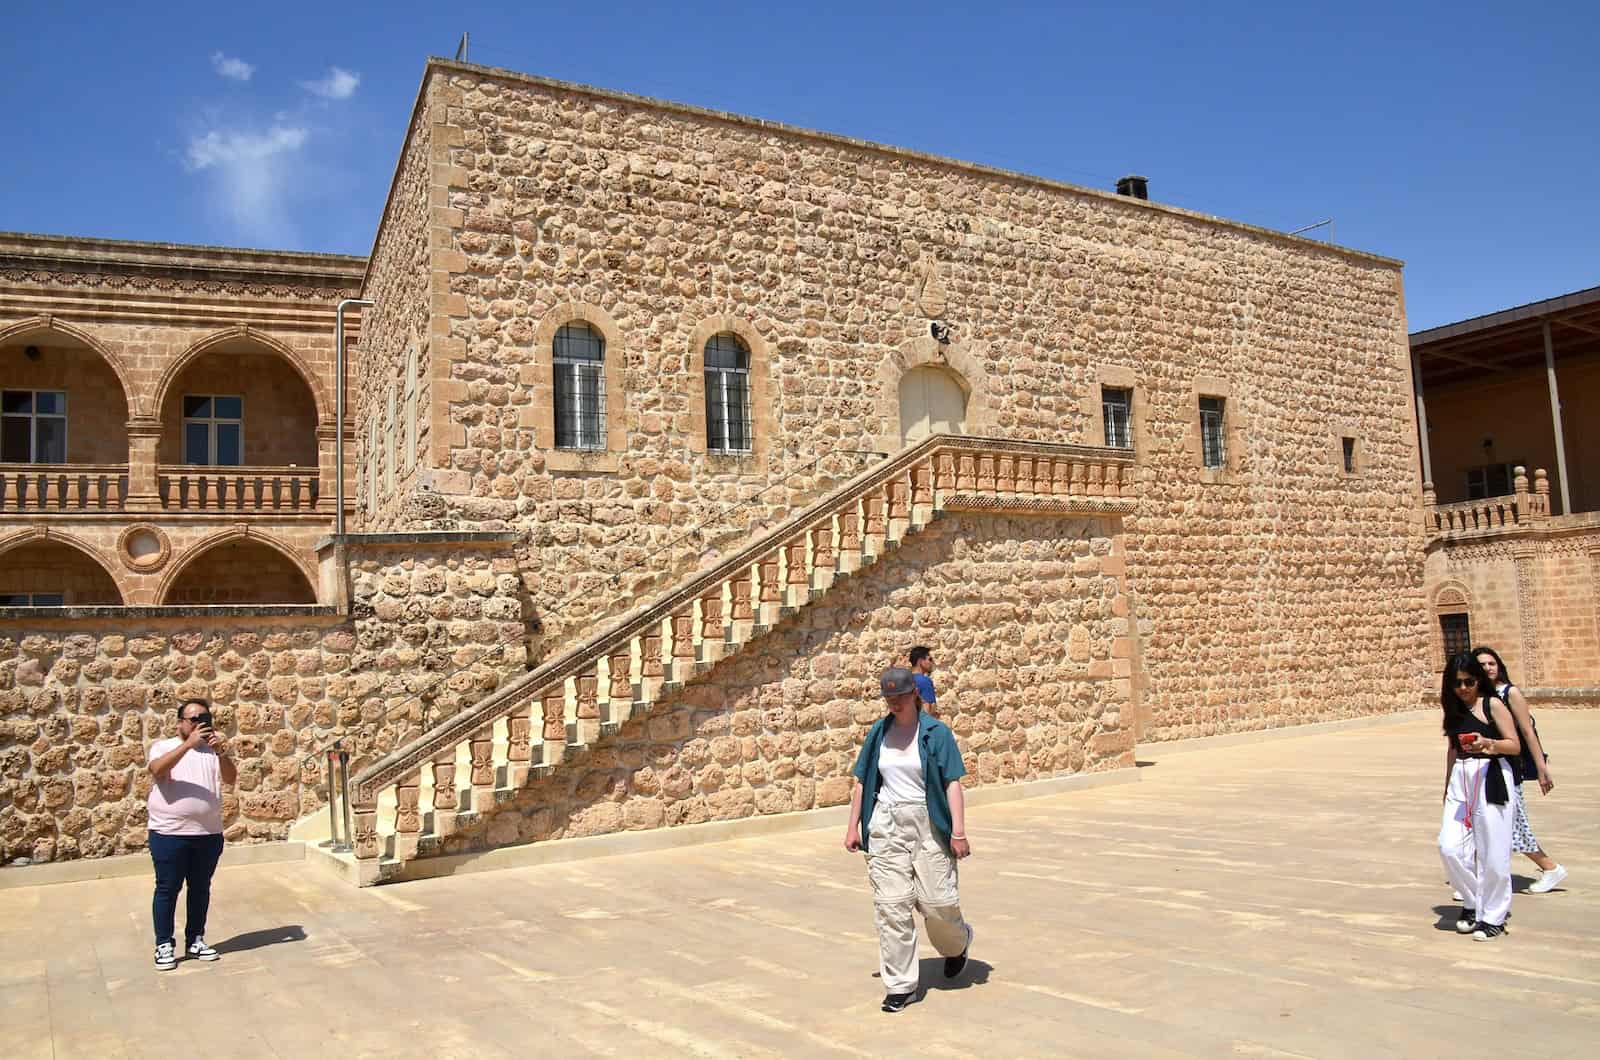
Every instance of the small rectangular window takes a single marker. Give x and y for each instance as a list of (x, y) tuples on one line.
[(213, 430), (32, 600), (1349, 445), (1212, 451), (1490, 480), (1457, 635), (34, 427), (1117, 407), (409, 452), (372, 466)]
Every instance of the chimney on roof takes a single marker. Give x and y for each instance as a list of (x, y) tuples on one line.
[(1134, 186)]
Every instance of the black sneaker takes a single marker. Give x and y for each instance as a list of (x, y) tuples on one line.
[(896, 1002), (1467, 920), (1486, 931), (954, 965)]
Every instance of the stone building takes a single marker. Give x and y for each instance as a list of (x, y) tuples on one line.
[(1511, 460), (669, 428)]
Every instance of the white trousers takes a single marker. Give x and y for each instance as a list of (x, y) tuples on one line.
[(1478, 859), (910, 870)]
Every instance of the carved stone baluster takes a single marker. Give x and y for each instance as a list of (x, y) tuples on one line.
[(1005, 474), (1024, 480), (822, 558), (1041, 476), (966, 472), (797, 585), (986, 473), (364, 841), (650, 670), (1078, 487), (944, 476), (619, 689), (877, 529), (771, 596), (899, 506), (589, 705), (445, 797), (407, 819), (712, 633), (1097, 474), (553, 710), (482, 747), (740, 615), (1061, 478), (519, 745), (922, 493), (850, 537), (683, 644)]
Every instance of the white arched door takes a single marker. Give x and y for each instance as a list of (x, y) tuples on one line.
[(931, 400)]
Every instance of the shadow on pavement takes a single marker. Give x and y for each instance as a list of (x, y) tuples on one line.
[(254, 940), (930, 971), (1447, 917)]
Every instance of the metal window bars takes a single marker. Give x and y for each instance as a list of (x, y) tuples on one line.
[(580, 387), (727, 382), (1116, 407), (1212, 451)]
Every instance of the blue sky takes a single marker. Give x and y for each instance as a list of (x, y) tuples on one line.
[(1460, 137)]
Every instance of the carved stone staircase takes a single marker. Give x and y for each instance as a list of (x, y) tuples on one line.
[(585, 694)]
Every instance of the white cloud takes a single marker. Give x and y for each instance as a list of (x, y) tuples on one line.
[(339, 84), (234, 69), (252, 176)]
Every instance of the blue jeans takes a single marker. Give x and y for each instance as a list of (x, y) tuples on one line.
[(183, 859)]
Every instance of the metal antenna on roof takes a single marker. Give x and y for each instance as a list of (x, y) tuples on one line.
[(461, 49), (1319, 224)]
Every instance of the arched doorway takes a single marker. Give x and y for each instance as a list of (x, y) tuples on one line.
[(51, 573), (240, 570), (932, 400)]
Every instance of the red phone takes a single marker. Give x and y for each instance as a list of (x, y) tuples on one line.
[(1466, 739)]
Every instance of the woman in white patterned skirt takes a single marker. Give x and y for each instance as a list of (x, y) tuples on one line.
[(1532, 764)]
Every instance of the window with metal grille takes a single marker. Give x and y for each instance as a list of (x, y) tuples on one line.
[(409, 452), (372, 464), (1457, 635), (728, 395), (213, 429), (392, 457), (1349, 455), (580, 375), (33, 427), (32, 600), (1212, 451), (1490, 480), (1117, 408)]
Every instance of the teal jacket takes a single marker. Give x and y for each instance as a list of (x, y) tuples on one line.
[(941, 763)]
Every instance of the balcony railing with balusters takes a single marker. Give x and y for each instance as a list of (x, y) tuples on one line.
[(192, 488), (589, 690), (1525, 505), (63, 487)]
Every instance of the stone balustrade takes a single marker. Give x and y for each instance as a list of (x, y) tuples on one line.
[(589, 691), (63, 487), (189, 488), (1522, 507)]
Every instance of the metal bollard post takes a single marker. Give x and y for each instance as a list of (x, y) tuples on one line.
[(344, 794), (333, 811)]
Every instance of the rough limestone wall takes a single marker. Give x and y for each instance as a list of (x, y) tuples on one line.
[(82, 700), (837, 256), (400, 281), (1023, 616)]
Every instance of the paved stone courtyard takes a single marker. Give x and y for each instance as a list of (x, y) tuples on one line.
[(1279, 898)]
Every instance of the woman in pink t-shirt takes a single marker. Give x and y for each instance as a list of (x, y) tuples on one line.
[(185, 808)]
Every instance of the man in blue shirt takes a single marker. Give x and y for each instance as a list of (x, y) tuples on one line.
[(921, 658)]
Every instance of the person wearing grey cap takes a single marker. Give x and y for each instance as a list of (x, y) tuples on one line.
[(908, 815)]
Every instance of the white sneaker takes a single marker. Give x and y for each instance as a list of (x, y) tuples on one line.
[(1549, 881), (1455, 896), (166, 959), (201, 952)]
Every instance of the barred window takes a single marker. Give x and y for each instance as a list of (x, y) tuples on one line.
[(372, 463), (580, 377), (1491, 480), (1457, 635), (392, 458), (728, 395), (1349, 447), (213, 429), (409, 451), (1212, 452), (34, 427), (1117, 407)]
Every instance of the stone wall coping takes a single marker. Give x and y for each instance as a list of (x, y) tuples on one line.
[(35, 250), (436, 63), (482, 538), (183, 612), (1551, 692)]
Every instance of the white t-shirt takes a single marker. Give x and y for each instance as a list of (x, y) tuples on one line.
[(901, 772), (189, 800)]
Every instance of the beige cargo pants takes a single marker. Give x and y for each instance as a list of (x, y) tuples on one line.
[(910, 870)]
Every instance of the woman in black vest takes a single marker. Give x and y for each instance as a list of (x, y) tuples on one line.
[(1531, 766), (1475, 834)]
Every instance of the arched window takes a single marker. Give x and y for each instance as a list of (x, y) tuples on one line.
[(580, 387), (728, 395)]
